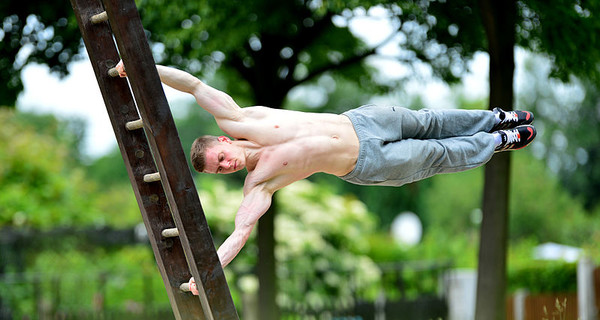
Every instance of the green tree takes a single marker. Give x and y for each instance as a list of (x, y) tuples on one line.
[(44, 190), (571, 140), (274, 47), (497, 27), (40, 187), (580, 160), (35, 188), (555, 217), (34, 31)]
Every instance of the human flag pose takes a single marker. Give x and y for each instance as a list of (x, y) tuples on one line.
[(369, 145)]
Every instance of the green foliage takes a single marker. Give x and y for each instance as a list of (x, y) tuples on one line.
[(383, 248), (549, 277), (555, 28), (321, 244), (68, 132), (43, 187), (39, 187), (384, 202), (87, 282), (117, 206), (568, 120), (331, 93), (549, 213), (540, 211), (108, 170), (34, 31), (454, 32), (328, 232), (438, 244), (127, 266), (203, 36), (545, 213), (453, 201)]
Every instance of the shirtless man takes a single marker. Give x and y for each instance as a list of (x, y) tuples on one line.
[(368, 145)]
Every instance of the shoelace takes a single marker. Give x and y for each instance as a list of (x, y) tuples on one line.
[(511, 116), (512, 136)]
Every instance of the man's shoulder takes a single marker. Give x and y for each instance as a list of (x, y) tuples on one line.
[(256, 111)]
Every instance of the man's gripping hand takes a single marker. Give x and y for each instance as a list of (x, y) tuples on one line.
[(121, 69), (193, 287)]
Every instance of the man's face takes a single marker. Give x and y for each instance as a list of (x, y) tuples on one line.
[(223, 157)]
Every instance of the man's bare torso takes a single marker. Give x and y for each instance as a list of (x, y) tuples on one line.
[(294, 145)]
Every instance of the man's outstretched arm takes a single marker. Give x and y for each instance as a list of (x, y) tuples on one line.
[(254, 205), (216, 102), (256, 202)]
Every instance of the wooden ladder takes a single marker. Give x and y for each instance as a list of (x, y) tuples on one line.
[(154, 158)]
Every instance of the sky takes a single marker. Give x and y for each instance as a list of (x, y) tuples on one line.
[(78, 95)]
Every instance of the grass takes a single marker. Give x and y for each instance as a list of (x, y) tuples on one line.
[(559, 314)]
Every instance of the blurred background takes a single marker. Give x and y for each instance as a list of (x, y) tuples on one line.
[(72, 242)]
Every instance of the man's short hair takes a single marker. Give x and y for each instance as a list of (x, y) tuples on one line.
[(198, 153)]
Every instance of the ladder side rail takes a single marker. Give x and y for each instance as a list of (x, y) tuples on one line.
[(138, 159), (170, 159)]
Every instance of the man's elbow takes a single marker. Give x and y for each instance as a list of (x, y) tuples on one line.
[(196, 86), (227, 101)]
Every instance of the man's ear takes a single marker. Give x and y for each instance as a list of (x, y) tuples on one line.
[(224, 139)]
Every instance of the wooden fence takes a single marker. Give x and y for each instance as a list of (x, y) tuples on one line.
[(556, 306), (544, 306)]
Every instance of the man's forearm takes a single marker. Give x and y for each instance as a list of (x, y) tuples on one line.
[(232, 246), (178, 79), (174, 78), (255, 204)]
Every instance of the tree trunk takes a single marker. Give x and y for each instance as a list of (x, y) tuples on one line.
[(499, 20), (266, 266), (267, 278)]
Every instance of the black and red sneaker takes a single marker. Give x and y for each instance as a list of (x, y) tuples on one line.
[(511, 119), (516, 138)]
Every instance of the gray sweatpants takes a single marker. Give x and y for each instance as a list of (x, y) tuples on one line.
[(399, 145)]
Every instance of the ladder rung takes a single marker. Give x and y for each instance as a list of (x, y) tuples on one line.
[(100, 17), (134, 125), (185, 287), (113, 72), (160, 203), (152, 177), (169, 233)]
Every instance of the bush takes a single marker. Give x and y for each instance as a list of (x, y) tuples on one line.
[(40, 185), (322, 245), (545, 277)]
